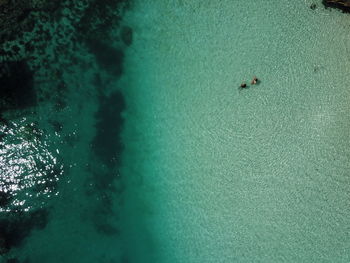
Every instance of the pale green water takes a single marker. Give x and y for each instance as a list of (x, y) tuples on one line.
[(203, 172), (258, 175)]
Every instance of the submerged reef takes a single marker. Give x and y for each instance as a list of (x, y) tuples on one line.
[(102, 32), (16, 226), (15, 16), (29, 170), (107, 144), (99, 18), (107, 147), (37, 53), (16, 82), (343, 5), (108, 57)]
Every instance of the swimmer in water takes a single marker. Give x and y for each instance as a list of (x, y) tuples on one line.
[(254, 81)]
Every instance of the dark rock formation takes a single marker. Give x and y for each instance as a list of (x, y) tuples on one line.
[(15, 16), (25, 70), (126, 35), (107, 143), (5, 198), (109, 58), (108, 147), (99, 19), (14, 228), (16, 86), (343, 5), (313, 6)]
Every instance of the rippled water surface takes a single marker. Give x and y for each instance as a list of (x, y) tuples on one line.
[(124, 135), (30, 172)]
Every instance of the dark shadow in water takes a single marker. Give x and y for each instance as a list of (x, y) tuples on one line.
[(343, 5), (99, 18), (94, 27), (126, 35), (5, 198), (12, 260), (313, 6), (107, 144), (16, 86), (103, 217), (56, 125), (18, 225), (107, 57)]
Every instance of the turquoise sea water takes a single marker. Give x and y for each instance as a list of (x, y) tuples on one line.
[(257, 175), (140, 147)]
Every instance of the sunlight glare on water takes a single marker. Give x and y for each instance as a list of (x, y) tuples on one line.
[(29, 170)]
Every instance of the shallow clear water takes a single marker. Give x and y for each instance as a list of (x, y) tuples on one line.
[(142, 148), (255, 175)]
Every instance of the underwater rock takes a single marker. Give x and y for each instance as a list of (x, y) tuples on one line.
[(107, 143), (126, 35), (109, 58), (16, 86), (14, 16), (13, 260), (104, 218), (313, 6), (108, 147), (5, 198), (15, 227), (343, 5), (99, 19), (49, 5)]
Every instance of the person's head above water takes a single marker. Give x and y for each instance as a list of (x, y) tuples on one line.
[(255, 80)]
